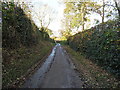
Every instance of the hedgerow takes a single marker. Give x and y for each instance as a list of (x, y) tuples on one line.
[(23, 44), (100, 44), (18, 29)]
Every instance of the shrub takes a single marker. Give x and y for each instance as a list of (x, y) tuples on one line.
[(100, 44)]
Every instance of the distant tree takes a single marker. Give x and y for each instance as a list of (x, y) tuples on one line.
[(65, 33), (45, 16), (49, 31)]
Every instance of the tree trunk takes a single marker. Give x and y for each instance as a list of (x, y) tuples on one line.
[(118, 9), (83, 27), (103, 11)]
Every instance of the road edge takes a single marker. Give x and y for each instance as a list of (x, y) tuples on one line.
[(72, 60), (23, 78)]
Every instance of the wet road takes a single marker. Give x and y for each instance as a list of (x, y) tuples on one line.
[(56, 72)]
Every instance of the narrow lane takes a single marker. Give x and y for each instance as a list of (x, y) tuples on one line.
[(60, 74)]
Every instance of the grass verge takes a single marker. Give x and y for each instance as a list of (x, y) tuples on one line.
[(17, 62), (93, 75)]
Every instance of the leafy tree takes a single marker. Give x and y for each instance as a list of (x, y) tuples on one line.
[(76, 13), (106, 10)]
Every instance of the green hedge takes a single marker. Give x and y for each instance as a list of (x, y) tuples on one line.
[(101, 44), (19, 30)]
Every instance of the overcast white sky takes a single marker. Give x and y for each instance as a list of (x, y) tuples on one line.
[(58, 6)]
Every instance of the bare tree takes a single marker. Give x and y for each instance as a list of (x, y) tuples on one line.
[(45, 16)]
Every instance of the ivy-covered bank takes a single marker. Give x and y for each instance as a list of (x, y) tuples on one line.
[(18, 29), (23, 43), (101, 44)]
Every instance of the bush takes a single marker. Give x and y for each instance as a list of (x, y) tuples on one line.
[(18, 29), (100, 44)]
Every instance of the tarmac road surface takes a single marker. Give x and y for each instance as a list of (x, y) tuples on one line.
[(56, 72)]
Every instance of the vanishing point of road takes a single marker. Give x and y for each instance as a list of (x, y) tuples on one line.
[(56, 72)]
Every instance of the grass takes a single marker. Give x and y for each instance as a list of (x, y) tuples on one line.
[(17, 62), (93, 75)]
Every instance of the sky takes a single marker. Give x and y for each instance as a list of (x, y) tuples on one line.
[(58, 6)]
